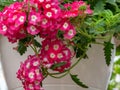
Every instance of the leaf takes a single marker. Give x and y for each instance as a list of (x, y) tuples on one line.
[(117, 62), (36, 43), (58, 65), (21, 48), (112, 2), (108, 46), (21, 45), (99, 7), (117, 69), (77, 81)]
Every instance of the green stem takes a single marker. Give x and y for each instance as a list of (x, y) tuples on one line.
[(98, 43), (59, 76), (77, 61), (67, 71), (84, 34)]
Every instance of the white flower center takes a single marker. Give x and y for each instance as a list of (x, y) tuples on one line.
[(56, 47), (41, 0), (36, 63), (30, 86), (33, 18), (52, 55), (31, 75), (70, 32), (48, 6), (49, 14), (65, 25), (44, 21), (46, 47), (60, 55), (21, 19), (33, 28), (4, 28)]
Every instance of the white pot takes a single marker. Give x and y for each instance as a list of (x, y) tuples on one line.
[(93, 71)]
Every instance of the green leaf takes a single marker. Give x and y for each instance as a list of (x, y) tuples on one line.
[(117, 62), (21, 48), (36, 43), (108, 46), (99, 7), (4, 3), (113, 2), (77, 81), (58, 65), (117, 69)]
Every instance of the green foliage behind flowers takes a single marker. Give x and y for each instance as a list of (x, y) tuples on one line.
[(115, 78)]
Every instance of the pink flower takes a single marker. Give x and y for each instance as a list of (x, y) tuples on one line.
[(45, 22), (67, 53), (30, 73), (49, 14), (21, 19), (3, 28), (76, 8), (70, 33), (34, 18), (65, 25), (33, 30)]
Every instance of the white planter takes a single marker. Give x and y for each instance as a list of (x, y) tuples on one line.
[(93, 71)]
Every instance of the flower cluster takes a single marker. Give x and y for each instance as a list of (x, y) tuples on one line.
[(12, 22), (43, 18), (53, 52), (30, 73), (76, 8)]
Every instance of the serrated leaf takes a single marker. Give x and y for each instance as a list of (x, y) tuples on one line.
[(58, 65), (77, 81), (21, 48), (36, 43), (108, 46), (99, 7), (21, 45)]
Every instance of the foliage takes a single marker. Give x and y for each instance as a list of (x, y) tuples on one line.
[(77, 81), (108, 50), (115, 78)]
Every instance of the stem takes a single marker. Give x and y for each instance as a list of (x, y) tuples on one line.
[(34, 49), (77, 61), (59, 76), (67, 71), (97, 43)]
